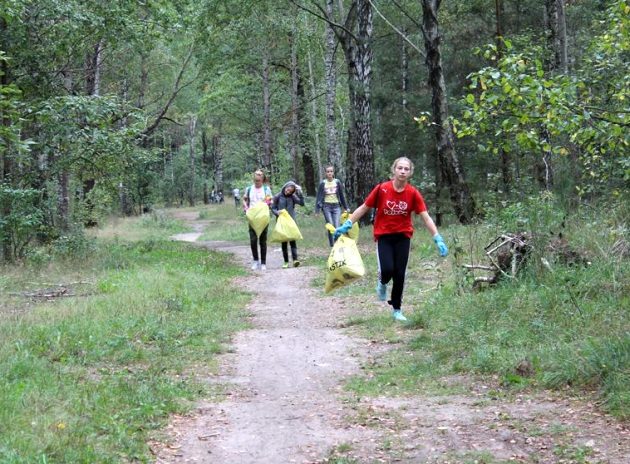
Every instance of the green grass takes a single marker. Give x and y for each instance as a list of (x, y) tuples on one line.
[(570, 324), (91, 379)]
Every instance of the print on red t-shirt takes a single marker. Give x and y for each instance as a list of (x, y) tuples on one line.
[(394, 208)]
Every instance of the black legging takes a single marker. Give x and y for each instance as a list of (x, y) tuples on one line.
[(393, 256), (253, 242), (285, 251)]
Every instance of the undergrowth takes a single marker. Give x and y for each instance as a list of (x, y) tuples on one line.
[(91, 378), (557, 325)]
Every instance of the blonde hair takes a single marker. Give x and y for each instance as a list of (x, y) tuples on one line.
[(402, 158), (260, 172)]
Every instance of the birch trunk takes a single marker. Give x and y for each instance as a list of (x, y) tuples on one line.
[(192, 125), (5, 160), (461, 198), (358, 54), (506, 175), (295, 122), (332, 140), (556, 26), (205, 163), (63, 200), (304, 140), (314, 118), (217, 155), (94, 64), (267, 155)]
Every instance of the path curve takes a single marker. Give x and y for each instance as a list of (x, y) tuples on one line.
[(285, 402), (285, 376)]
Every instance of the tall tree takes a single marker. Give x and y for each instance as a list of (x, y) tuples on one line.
[(267, 156), (295, 105), (332, 140), (354, 34), (461, 198)]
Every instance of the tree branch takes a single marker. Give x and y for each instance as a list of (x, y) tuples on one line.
[(409, 17), (400, 33), (324, 17), (176, 89)]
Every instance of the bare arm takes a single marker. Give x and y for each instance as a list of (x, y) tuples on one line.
[(428, 223), (359, 213)]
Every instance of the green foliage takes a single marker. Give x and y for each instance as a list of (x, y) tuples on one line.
[(90, 379), (557, 326), (518, 107), (81, 135), (11, 144), (21, 220)]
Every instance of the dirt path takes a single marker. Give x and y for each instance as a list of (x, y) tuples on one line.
[(285, 400)]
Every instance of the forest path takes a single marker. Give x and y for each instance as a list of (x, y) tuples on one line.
[(285, 401)]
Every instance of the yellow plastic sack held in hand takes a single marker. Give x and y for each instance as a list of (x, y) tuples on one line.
[(344, 264), (258, 217), (286, 229), (354, 232)]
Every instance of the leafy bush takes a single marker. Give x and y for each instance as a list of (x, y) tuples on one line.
[(20, 221)]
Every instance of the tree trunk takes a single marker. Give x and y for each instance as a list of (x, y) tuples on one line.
[(543, 169), (5, 159), (556, 28), (461, 198), (304, 140), (144, 80), (217, 156), (63, 200), (404, 73), (94, 63), (506, 176), (314, 118), (358, 55), (205, 165), (267, 152), (332, 141), (295, 121), (192, 125)]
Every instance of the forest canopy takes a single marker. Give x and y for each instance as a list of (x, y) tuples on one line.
[(118, 107)]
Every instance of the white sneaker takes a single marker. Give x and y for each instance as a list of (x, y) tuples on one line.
[(263, 267), (255, 265)]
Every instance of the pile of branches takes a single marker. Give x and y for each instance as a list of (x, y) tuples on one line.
[(508, 254)]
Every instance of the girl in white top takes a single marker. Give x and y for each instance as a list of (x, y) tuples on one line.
[(254, 194)]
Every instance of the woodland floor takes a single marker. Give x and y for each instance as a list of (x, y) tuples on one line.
[(286, 401)]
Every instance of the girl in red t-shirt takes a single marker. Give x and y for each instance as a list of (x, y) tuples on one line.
[(394, 201)]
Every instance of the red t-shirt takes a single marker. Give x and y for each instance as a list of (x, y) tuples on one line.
[(393, 214)]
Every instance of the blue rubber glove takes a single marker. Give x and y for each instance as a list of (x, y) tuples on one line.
[(343, 229), (439, 241)]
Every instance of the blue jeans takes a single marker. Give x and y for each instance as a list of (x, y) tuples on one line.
[(332, 213)]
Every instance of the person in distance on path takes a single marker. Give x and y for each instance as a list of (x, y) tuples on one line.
[(254, 194), (289, 196), (330, 200), (394, 201)]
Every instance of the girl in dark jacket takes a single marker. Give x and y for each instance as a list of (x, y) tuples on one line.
[(289, 196)]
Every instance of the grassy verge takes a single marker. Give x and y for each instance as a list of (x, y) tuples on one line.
[(90, 378), (556, 326)]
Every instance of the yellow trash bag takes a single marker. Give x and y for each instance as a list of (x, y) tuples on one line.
[(286, 229), (344, 264), (258, 217), (353, 233)]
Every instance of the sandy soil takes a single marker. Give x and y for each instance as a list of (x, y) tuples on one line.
[(286, 402)]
